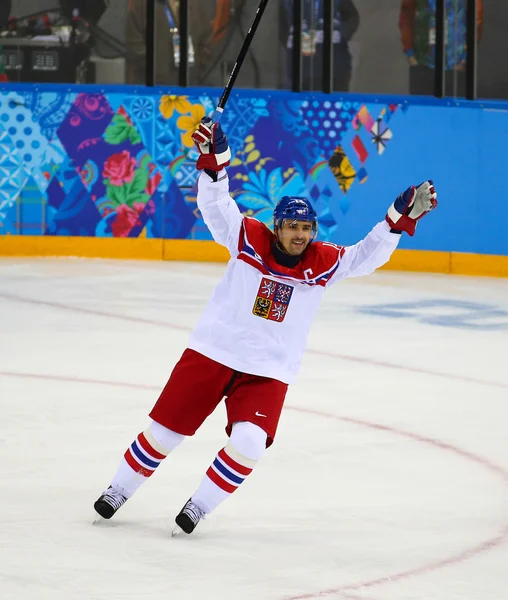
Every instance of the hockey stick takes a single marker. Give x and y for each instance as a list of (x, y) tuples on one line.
[(239, 61)]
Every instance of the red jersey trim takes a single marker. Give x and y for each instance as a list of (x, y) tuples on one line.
[(255, 250)]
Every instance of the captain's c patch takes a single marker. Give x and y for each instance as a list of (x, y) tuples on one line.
[(272, 300)]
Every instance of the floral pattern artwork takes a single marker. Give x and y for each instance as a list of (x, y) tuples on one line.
[(122, 129), (130, 181), (188, 124), (121, 177), (258, 182), (84, 125), (115, 164), (169, 104)]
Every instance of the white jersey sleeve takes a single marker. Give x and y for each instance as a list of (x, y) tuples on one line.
[(220, 212), (367, 255)]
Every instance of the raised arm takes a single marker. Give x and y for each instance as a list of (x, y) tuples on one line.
[(220, 212), (369, 254), (376, 248)]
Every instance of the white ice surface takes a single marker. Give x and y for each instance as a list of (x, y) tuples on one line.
[(388, 479)]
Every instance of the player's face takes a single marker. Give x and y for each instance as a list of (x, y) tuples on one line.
[(295, 236)]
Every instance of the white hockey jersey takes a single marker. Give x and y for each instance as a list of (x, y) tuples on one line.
[(259, 316)]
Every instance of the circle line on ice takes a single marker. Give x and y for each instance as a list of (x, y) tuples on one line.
[(456, 558), (333, 355)]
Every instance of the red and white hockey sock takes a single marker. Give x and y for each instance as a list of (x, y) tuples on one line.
[(227, 472), (143, 456), (231, 466)]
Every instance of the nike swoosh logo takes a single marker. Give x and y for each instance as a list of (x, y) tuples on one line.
[(258, 414)]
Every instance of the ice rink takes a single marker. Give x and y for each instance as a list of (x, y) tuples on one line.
[(388, 479)]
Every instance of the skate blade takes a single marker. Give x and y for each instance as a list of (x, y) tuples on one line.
[(176, 531), (98, 520)]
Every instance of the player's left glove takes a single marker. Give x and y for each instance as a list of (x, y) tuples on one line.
[(213, 146), (411, 206)]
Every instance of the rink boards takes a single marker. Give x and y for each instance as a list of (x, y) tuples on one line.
[(458, 263), (109, 171)]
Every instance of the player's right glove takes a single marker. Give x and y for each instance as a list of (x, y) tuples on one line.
[(411, 206), (213, 146)]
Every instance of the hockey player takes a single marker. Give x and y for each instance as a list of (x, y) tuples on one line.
[(249, 342)]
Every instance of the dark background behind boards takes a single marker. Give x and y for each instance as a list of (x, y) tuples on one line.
[(378, 61)]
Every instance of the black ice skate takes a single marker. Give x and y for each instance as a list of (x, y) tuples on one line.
[(188, 518), (109, 503)]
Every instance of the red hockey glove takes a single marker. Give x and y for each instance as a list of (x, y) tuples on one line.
[(411, 206), (213, 146)]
